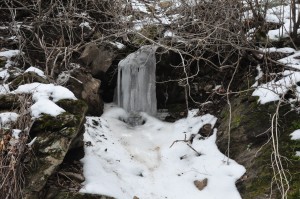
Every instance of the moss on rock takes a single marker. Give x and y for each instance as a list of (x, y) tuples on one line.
[(251, 146), (26, 78), (54, 138)]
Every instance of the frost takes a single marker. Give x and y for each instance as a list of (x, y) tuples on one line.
[(136, 89)]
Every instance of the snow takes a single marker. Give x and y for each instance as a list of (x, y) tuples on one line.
[(32, 142), (259, 75), (136, 89), (280, 50), (296, 135), (35, 70), (4, 75), (44, 96), (7, 117), (9, 53), (4, 89), (298, 153), (85, 24), (281, 15), (16, 133), (122, 161), (119, 45), (273, 90), (45, 106), (292, 61), (169, 33), (45, 91)]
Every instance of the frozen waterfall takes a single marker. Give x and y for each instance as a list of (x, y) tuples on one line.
[(136, 89)]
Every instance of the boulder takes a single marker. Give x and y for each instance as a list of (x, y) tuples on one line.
[(85, 87), (54, 136), (97, 59)]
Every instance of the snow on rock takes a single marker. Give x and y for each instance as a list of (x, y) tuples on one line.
[(45, 106), (4, 89), (279, 50), (273, 90), (119, 45), (44, 96), (7, 117), (280, 14), (152, 160), (9, 54), (16, 133), (85, 24), (259, 75), (292, 61), (296, 135), (46, 91), (4, 75), (35, 70)]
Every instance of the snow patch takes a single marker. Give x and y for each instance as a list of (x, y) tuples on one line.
[(150, 161), (44, 96), (35, 70), (296, 135), (7, 117), (85, 24)]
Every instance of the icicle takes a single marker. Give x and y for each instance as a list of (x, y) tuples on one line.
[(136, 89)]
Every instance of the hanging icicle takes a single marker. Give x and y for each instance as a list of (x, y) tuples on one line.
[(136, 89)]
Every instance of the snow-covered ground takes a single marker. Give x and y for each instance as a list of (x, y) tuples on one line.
[(153, 160)]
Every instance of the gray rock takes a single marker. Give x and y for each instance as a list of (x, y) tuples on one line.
[(54, 138)]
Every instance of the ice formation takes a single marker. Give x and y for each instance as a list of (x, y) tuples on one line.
[(136, 89)]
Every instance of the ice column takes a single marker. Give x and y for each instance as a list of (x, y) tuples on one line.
[(136, 89)]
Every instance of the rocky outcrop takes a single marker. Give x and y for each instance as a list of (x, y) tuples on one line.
[(251, 145)]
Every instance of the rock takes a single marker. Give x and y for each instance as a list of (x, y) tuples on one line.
[(2, 61), (165, 4), (27, 78), (98, 59), (85, 87), (206, 130), (54, 138), (250, 145), (201, 184), (9, 102)]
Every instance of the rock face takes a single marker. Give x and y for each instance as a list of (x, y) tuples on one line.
[(251, 145), (54, 137), (85, 87)]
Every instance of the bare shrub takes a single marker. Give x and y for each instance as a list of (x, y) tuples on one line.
[(13, 151)]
